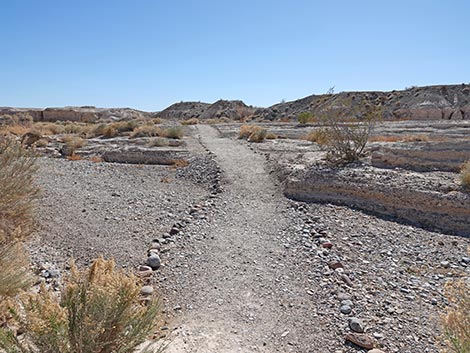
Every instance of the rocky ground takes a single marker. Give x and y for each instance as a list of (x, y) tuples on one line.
[(242, 268)]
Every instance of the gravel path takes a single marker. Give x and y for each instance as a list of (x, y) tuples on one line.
[(244, 294)]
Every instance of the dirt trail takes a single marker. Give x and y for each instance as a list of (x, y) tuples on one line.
[(243, 288)]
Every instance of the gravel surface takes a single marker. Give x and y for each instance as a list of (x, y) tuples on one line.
[(243, 269)]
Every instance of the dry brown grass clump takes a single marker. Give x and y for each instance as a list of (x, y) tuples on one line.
[(271, 136), (253, 133), (192, 121), (146, 131), (100, 310), (457, 320), (49, 128), (318, 135), (74, 141), (465, 174)]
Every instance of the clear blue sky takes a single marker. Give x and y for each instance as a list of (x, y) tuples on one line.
[(149, 54)]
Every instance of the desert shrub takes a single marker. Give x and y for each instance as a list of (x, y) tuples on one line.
[(125, 126), (465, 174), (245, 131), (74, 141), (318, 135), (17, 190), (158, 142), (42, 142), (14, 269), (271, 136), (109, 131), (74, 128), (257, 135), (71, 144), (145, 131), (457, 320), (347, 131), (172, 132), (253, 133), (99, 310), (7, 120), (305, 117), (192, 121), (49, 128)]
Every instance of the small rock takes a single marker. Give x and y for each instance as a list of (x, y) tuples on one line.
[(375, 350), (360, 340), (356, 325), (177, 307), (327, 245), (146, 290), (154, 261), (345, 309), (445, 264), (347, 280), (174, 231), (335, 265), (285, 333)]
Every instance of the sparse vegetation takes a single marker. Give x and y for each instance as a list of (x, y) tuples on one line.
[(318, 136), (173, 132), (465, 175), (158, 142), (305, 117), (100, 310), (17, 191), (457, 320), (347, 130), (253, 133), (271, 136), (192, 121)]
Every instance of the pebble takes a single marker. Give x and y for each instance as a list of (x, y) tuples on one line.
[(347, 280), (375, 350), (154, 261), (345, 309), (360, 340), (146, 290), (356, 325)]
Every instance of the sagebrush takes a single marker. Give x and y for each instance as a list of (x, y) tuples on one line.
[(99, 311)]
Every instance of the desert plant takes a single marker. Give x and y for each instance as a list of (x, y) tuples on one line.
[(99, 310), (145, 131), (271, 136), (258, 135), (49, 128), (305, 117), (245, 131), (318, 135), (347, 130), (457, 320), (158, 142), (14, 269), (172, 132), (17, 190), (465, 174), (192, 121)]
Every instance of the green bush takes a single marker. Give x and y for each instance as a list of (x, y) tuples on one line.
[(305, 117)]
